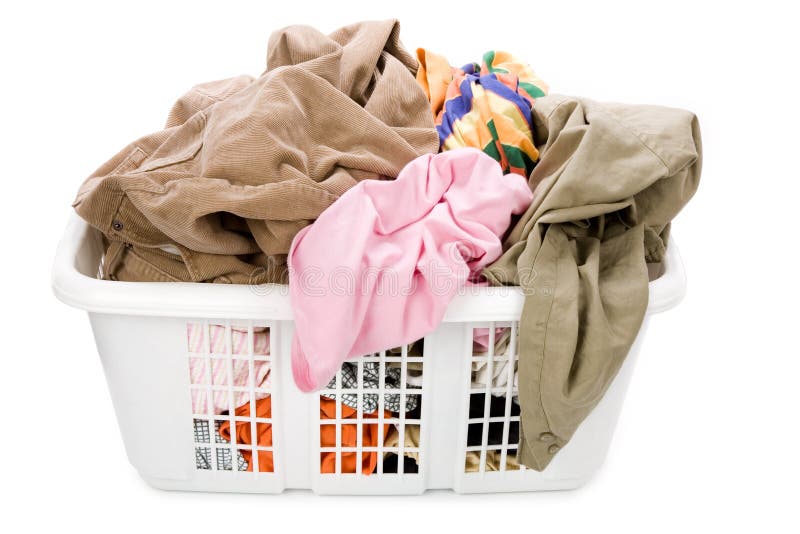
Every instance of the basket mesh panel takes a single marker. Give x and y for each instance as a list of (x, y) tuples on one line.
[(229, 381)]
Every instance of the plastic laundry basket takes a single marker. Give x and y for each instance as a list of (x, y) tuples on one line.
[(159, 341)]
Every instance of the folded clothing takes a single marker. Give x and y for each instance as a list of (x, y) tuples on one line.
[(219, 194), (240, 345), (409, 246), (486, 106)]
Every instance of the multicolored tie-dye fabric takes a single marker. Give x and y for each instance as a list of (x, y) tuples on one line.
[(486, 106)]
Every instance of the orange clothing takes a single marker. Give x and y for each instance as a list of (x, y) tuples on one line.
[(369, 438), (263, 432), (327, 410), (434, 76)]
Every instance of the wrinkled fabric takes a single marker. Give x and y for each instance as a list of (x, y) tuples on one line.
[(244, 435), (380, 266), (610, 180), (202, 455), (240, 367), (480, 344), (370, 434), (411, 441), (327, 410), (371, 380), (498, 378), (485, 106), (481, 340), (472, 462), (245, 163), (411, 444)]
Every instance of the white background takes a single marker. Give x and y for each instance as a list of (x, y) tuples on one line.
[(708, 439)]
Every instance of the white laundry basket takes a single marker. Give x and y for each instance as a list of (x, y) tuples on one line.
[(167, 417)]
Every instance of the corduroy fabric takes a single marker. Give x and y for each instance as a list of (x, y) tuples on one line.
[(244, 163)]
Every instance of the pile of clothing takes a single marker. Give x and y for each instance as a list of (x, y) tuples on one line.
[(379, 185), (223, 402)]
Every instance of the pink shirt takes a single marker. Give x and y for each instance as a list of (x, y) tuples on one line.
[(378, 267)]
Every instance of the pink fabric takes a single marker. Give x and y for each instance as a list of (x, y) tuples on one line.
[(480, 337), (379, 266), (195, 334)]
